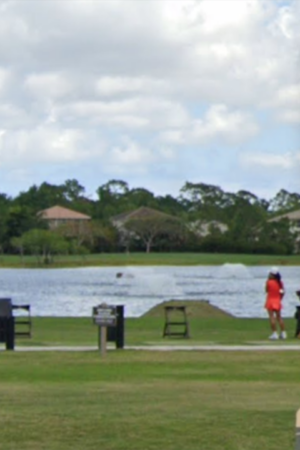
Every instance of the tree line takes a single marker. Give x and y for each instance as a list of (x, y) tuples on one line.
[(234, 222)]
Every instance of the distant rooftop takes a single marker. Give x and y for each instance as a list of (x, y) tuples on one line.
[(294, 215), (61, 213), (140, 213)]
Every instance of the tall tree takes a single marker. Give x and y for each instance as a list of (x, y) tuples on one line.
[(206, 199), (150, 225), (42, 197), (73, 191), (112, 199), (41, 243), (285, 201), (4, 213)]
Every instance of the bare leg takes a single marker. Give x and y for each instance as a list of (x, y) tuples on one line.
[(279, 320), (272, 319)]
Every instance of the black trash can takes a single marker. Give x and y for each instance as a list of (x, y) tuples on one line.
[(116, 334), (7, 324), (297, 317)]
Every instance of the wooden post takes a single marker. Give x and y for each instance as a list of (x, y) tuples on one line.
[(298, 430), (103, 339)]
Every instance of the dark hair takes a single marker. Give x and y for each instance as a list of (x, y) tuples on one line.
[(277, 277)]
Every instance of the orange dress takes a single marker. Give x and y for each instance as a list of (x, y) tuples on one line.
[(274, 295)]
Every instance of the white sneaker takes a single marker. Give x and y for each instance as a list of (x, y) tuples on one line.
[(283, 335), (274, 336)]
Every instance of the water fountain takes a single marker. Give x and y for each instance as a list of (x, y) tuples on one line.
[(143, 288), (233, 270)]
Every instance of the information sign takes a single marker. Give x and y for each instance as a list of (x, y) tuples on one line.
[(105, 315)]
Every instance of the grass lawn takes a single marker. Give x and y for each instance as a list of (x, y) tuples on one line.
[(133, 400), (139, 400), (208, 325), (144, 259)]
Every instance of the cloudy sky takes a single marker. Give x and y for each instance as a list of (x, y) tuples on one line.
[(152, 92)]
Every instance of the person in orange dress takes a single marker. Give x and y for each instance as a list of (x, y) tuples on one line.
[(273, 305)]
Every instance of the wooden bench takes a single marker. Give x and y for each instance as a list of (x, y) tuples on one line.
[(23, 323)]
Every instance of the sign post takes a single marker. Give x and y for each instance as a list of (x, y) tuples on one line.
[(104, 316), (103, 335)]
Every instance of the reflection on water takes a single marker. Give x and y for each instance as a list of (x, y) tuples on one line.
[(73, 292)]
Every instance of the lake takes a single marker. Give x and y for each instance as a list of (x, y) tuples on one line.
[(73, 292)]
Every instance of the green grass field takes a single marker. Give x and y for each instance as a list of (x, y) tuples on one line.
[(145, 400), (133, 400), (207, 323), (143, 259), (149, 331)]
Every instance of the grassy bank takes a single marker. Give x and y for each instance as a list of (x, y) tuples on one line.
[(144, 259)]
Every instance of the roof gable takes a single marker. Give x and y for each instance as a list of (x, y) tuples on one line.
[(294, 215), (140, 213), (61, 213)]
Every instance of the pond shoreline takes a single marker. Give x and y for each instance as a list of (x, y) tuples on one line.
[(147, 259)]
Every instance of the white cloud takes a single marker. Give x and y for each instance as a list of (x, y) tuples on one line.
[(219, 124), (4, 78), (287, 104), (41, 145), (118, 86), (133, 112), (290, 117), (12, 116), (289, 96), (48, 85), (131, 154), (271, 161), (288, 20), (78, 76)]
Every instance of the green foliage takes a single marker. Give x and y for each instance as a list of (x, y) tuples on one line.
[(41, 243), (150, 226), (246, 216), (285, 201), (42, 197)]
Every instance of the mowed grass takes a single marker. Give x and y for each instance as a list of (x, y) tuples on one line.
[(137, 400), (150, 259), (207, 325), (146, 400)]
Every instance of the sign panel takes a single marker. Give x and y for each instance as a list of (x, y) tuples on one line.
[(105, 315)]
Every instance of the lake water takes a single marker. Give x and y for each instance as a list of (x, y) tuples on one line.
[(73, 292)]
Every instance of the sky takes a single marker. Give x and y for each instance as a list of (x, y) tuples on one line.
[(155, 93)]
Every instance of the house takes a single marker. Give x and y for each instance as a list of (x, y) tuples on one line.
[(294, 219), (140, 213), (58, 215), (203, 228)]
